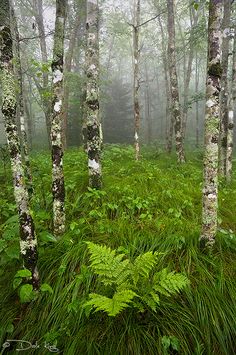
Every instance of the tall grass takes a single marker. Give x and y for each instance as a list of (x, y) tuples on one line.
[(154, 204)]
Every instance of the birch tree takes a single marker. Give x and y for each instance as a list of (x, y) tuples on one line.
[(174, 83), (231, 115), (136, 84), (225, 86), (21, 106), (212, 123), (28, 241), (94, 130), (58, 188)]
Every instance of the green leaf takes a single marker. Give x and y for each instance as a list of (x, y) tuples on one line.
[(13, 251), (26, 293), (165, 342), (16, 282), (112, 306), (46, 288), (23, 273), (47, 237), (10, 328)]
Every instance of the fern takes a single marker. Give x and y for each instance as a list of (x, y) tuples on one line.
[(112, 306), (142, 266), (169, 283), (132, 282), (105, 262)]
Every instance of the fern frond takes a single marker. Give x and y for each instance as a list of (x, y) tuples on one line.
[(169, 283), (105, 262), (112, 306), (143, 264)]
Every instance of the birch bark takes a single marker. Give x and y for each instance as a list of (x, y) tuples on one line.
[(212, 123), (94, 130), (28, 241), (58, 188)]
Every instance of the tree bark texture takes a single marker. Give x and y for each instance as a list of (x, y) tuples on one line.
[(174, 84), (28, 241), (58, 187), (212, 124), (224, 86), (136, 84), (92, 96)]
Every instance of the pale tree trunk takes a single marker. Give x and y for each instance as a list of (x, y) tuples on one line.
[(18, 69), (136, 84), (147, 106), (224, 86), (38, 14), (231, 115), (67, 66), (92, 96), (174, 84), (28, 241), (58, 188), (197, 103), (169, 116), (193, 20), (212, 123)]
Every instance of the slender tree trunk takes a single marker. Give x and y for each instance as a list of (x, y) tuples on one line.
[(193, 18), (38, 14), (92, 96), (136, 83), (174, 84), (58, 188), (231, 114), (18, 69), (68, 64), (147, 106), (224, 84), (28, 241), (212, 123), (169, 116), (197, 103)]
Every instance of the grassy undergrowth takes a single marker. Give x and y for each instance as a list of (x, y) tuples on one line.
[(151, 205)]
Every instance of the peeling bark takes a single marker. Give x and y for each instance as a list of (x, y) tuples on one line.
[(174, 84), (28, 241), (92, 96), (212, 123), (58, 188)]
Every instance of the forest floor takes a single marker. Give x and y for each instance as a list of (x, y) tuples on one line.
[(150, 205)]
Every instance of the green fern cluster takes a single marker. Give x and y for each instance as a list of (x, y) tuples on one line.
[(133, 284)]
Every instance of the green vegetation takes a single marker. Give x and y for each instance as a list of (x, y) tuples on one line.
[(148, 209)]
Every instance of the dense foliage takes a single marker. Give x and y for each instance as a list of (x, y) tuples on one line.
[(150, 207)]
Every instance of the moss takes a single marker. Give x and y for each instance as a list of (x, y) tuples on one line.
[(215, 70)]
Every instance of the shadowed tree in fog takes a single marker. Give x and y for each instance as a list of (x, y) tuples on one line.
[(174, 84)]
